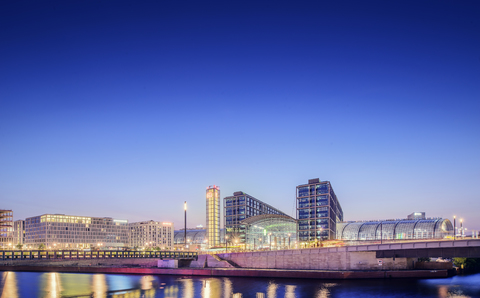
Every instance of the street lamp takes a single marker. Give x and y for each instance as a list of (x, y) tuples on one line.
[(226, 237), (289, 240), (461, 227), (185, 234), (454, 228)]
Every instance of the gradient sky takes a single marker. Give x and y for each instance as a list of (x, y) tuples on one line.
[(126, 109)]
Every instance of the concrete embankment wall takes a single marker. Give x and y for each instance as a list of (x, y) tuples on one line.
[(133, 262), (318, 259), (305, 259)]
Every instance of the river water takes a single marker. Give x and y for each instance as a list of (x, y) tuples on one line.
[(34, 284)]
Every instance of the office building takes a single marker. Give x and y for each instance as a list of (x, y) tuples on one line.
[(213, 215), (59, 231), (239, 207), (150, 234), (6, 229), (318, 211), (19, 232)]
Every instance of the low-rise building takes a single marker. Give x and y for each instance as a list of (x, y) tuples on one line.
[(60, 231), (151, 234)]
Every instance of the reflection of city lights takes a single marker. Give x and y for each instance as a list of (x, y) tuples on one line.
[(146, 282), (443, 291), (10, 288), (324, 292), (206, 290), (272, 290), (188, 290), (52, 288), (99, 285), (227, 287), (171, 292), (290, 291)]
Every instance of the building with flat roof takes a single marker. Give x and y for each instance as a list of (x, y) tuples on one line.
[(151, 234), (239, 207), (318, 211), (6, 228), (19, 232), (75, 232), (213, 215)]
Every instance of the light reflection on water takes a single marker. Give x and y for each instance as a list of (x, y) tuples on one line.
[(32, 284)]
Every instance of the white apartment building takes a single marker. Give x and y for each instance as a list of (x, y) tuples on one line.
[(60, 231), (151, 234)]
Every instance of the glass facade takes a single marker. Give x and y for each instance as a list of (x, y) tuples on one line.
[(270, 231), (395, 229), (195, 236), (239, 207), (318, 211), (213, 215), (66, 231)]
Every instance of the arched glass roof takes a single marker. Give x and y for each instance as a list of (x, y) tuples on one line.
[(395, 229), (270, 230)]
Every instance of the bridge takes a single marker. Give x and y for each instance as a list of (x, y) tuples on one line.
[(388, 256), (89, 255), (465, 248)]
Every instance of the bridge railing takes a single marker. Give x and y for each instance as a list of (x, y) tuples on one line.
[(95, 254)]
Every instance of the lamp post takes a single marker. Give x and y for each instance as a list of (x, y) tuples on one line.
[(454, 228), (226, 237), (461, 227), (185, 233), (289, 240)]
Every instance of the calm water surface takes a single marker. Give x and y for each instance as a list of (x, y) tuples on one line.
[(33, 284)]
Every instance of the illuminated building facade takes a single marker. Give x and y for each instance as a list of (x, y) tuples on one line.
[(318, 211), (422, 228), (19, 232), (239, 207), (6, 228), (213, 215), (270, 231), (196, 238), (66, 231), (151, 234)]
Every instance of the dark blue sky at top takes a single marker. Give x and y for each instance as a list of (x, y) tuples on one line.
[(127, 109)]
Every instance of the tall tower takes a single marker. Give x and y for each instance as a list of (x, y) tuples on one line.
[(213, 215), (318, 211)]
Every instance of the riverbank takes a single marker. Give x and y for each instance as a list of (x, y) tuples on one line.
[(238, 272)]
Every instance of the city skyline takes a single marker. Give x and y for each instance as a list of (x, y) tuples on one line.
[(127, 110)]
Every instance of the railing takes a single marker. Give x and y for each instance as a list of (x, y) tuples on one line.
[(95, 254)]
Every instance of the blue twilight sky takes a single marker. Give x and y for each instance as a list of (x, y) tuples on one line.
[(126, 109)]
